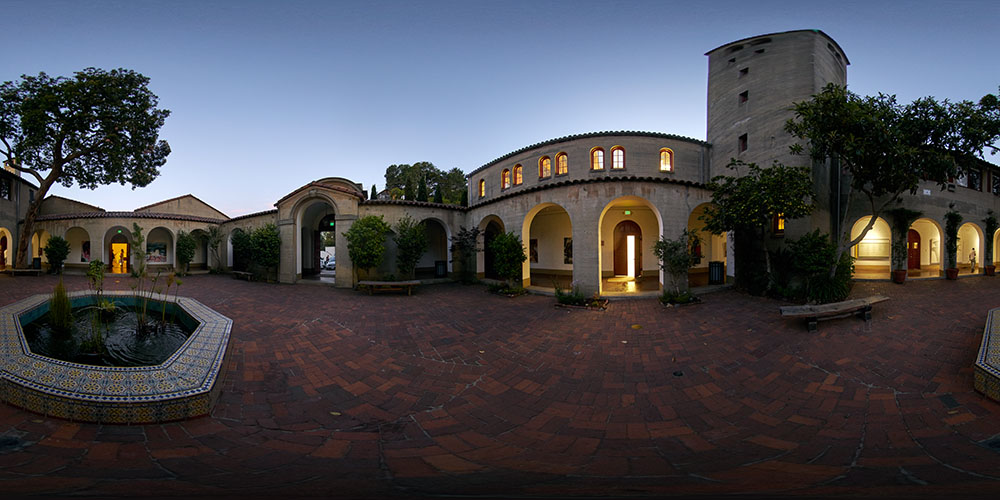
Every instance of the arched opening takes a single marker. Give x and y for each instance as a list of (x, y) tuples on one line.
[(79, 247), (160, 248), (311, 214), (435, 262), (200, 259), (924, 249), (547, 232), (326, 248), (872, 254), (39, 241), (239, 258), (629, 227), (970, 250), (711, 249), (491, 227), (996, 247), (118, 250), (6, 245)]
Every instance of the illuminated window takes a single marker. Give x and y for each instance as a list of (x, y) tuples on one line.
[(518, 175), (482, 188), (778, 225), (544, 167), (505, 179), (617, 158), (597, 159), (562, 164), (666, 160)]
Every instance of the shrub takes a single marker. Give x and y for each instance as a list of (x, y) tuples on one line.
[(991, 224), (242, 250), (574, 297), (56, 251), (811, 258), (411, 243), (186, 245), (952, 220), (685, 297), (508, 257), (676, 257), (366, 242), (60, 309), (505, 289), (266, 248)]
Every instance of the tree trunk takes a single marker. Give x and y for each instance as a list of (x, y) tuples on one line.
[(21, 262)]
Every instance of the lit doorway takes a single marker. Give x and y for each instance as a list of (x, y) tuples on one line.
[(119, 254), (628, 258)]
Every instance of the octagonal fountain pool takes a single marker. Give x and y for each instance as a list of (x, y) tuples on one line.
[(179, 378)]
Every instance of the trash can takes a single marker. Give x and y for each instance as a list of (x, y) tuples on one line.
[(36, 263), (440, 269), (716, 273)]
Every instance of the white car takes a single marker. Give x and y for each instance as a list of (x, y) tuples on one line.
[(330, 265)]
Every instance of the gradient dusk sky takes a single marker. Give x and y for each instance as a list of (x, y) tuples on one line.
[(268, 96)]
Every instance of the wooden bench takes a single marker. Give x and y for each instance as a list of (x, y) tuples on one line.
[(816, 313), (243, 275), (25, 272), (396, 286)]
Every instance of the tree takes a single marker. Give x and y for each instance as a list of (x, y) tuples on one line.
[(409, 192), (885, 149), (186, 245), (422, 189), (509, 255), (139, 253), (366, 242), (93, 129), (266, 244), (214, 242), (452, 182), (242, 250), (438, 195), (465, 199), (676, 257), (747, 203), (374, 193), (411, 243), (56, 251)]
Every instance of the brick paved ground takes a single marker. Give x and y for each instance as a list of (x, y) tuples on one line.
[(456, 392)]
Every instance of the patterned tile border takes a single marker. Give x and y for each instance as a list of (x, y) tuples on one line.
[(987, 367), (181, 387)]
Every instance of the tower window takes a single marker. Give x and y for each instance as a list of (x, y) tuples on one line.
[(518, 175), (758, 51), (744, 72), (562, 164), (482, 188), (617, 158), (505, 179), (597, 159), (742, 146), (666, 160), (544, 167), (744, 96)]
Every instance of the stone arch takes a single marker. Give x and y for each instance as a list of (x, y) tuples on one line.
[(872, 254), (117, 238), (308, 213), (79, 246), (7, 245), (927, 246), (712, 248), (39, 240), (970, 239), (161, 247), (438, 248), (547, 233), (489, 227), (200, 259), (648, 218)]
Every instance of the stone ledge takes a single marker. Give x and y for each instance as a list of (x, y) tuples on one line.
[(986, 370)]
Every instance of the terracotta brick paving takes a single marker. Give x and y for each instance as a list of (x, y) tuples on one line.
[(456, 392)]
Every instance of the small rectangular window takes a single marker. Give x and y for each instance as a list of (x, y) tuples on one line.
[(744, 96), (759, 51), (5, 189), (778, 225), (742, 146), (995, 177), (744, 72)]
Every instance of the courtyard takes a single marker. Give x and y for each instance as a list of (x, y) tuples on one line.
[(453, 391)]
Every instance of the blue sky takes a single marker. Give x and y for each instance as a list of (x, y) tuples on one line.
[(267, 96)]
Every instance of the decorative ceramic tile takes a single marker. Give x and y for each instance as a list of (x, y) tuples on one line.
[(986, 372)]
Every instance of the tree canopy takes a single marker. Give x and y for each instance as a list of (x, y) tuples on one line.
[(451, 183), (95, 128)]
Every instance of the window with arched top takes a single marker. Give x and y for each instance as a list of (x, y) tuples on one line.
[(544, 167), (597, 159), (666, 160), (562, 164), (518, 175), (505, 179), (482, 188), (617, 158)]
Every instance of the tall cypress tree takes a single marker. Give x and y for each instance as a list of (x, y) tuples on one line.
[(438, 195), (465, 198), (374, 193), (422, 194), (408, 192)]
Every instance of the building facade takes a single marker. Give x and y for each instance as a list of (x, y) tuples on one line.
[(588, 208)]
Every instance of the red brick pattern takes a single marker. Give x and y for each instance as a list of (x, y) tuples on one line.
[(457, 392)]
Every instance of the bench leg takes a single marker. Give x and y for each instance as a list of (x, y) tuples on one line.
[(866, 314), (813, 325)]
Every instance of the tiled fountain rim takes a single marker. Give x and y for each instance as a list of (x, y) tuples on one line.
[(192, 370), (987, 366)]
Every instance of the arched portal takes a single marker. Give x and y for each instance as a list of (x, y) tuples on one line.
[(6, 244), (970, 249), (160, 247), (436, 261), (996, 247), (79, 247), (39, 241), (711, 248), (200, 259), (118, 250), (924, 249), (325, 244), (625, 220), (547, 231), (491, 227), (309, 215), (872, 254)]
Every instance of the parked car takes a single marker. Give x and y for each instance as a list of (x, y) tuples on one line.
[(330, 264)]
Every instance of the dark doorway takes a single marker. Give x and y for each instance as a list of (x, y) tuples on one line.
[(912, 249), (325, 232), (3, 251), (489, 258), (623, 230)]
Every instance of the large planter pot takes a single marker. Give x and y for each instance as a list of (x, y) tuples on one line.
[(951, 273), (991, 270), (899, 276)]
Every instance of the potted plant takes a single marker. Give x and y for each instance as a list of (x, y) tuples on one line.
[(991, 224), (952, 220), (901, 219)]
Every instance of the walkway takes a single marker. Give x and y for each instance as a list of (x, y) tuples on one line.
[(457, 392)]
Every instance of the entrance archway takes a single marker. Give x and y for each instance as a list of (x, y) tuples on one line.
[(493, 229), (627, 250), (435, 262), (6, 243), (712, 248), (160, 247), (924, 251), (643, 223), (547, 232), (118, 250), (970, 249), (872, 254), (79, 247), (912, 250), (39, 241), (200, 258), (310, 214)]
